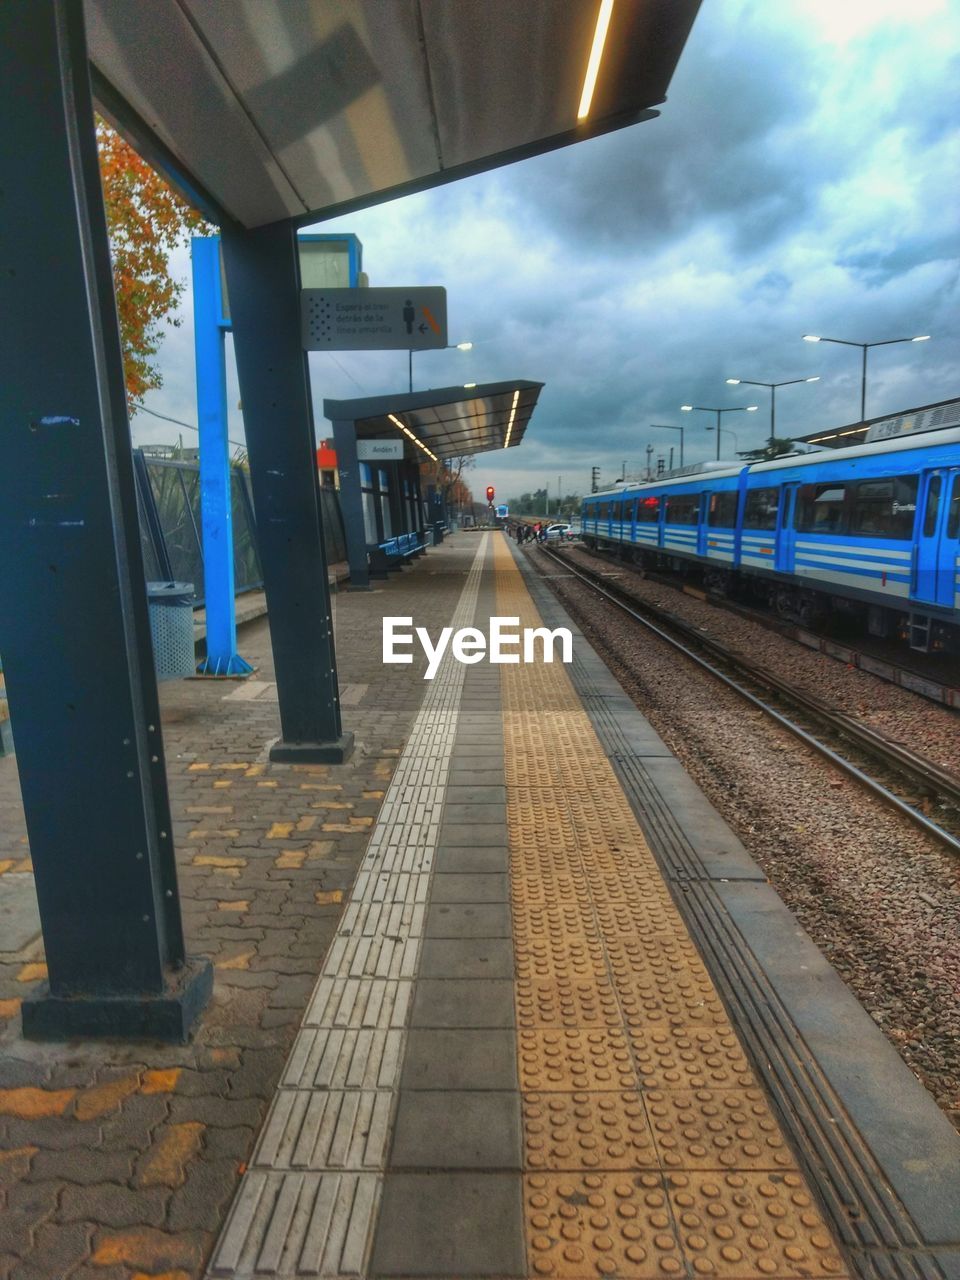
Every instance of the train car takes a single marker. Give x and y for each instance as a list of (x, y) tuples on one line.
[(871, 530)]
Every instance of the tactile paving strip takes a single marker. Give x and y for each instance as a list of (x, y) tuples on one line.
[(565, 1131), (751, 1224), (597, 1224), (649, 1147), (298, 1224), (716, 1129), (332, 1129), (307, 1206)]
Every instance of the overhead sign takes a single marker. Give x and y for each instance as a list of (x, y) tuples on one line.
[(379, 450), (374, 319)]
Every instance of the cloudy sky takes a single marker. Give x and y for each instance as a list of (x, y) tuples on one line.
[(801, 178)]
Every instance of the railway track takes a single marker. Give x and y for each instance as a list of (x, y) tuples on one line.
[(924, 685), (906, 770)]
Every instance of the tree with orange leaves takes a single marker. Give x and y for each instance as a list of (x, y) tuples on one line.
[(146, 220), (448, 478)]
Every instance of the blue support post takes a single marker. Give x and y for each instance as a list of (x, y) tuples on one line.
[(216, 503), (74, 629)]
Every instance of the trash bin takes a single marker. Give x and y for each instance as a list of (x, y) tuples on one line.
[(171, 628)]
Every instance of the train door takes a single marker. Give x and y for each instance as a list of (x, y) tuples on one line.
[(786, 533), (938, 538)]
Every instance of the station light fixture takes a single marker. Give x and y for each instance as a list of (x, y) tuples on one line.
[(410, 436), (513, 414), (865, 347), (772, 388), (596, 53), (734, 408)]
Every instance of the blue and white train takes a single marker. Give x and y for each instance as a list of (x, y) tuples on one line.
[(873, 529)]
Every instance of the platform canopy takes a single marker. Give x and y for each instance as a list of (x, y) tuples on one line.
[(446, 422), (297, 109)]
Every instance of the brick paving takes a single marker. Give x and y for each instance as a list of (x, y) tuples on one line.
[(118, 1161)]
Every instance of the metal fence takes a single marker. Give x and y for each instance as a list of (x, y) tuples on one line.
[(168, 496), (171, 537)]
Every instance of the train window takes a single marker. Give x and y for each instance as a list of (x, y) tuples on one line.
[(723, 510), (884, 508), (820, 508), (760, 511), (603, 511), (615, 509), (683, 508), (933, 508), (648, 510), (953, 519)]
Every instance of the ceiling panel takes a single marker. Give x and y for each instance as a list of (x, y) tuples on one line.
[(305, 108)]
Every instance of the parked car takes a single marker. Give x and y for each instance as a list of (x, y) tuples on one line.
[(560, 532)]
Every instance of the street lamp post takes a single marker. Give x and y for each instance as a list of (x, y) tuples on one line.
[(703, 408), (864, 347), (736, 442), (666, 426), (772, 386), (451, 346)]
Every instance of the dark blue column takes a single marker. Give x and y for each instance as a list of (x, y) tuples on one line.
[(74, 629), (263, 283), (351, 502)]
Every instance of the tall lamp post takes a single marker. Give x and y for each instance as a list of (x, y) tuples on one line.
[(451, 346), (666, 426), (736, 443), (703, 408), (772, 387), (864, 347)]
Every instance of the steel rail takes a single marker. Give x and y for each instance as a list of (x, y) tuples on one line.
[(894, 756)]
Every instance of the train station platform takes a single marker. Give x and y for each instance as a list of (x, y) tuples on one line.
[(502, 997)]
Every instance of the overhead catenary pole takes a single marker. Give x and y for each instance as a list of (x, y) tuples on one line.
[(668, 426)]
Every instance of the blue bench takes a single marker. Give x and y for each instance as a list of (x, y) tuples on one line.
[(394, 553)]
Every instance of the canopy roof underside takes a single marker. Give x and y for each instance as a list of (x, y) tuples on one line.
[(266, 110), (447, 422)]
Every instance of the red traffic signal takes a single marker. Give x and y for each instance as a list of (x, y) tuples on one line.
[(490, 492)]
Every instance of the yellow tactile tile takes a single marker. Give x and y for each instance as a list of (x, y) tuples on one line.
[(669, 1057), (752, 1225), (596, 1224), (716, 1129), (575, 1059), (567, 1131), (649, 1147), (549, 959), (567, 1003), (539, 917)]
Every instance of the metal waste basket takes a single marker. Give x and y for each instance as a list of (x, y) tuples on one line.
[(171, 628)]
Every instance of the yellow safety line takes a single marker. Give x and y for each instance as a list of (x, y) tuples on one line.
[(649, 1148)]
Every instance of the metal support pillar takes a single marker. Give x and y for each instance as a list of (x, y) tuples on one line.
[(351, 502), (395, 497), (216, 500), (263, 281), (74, 629), (422, 524)]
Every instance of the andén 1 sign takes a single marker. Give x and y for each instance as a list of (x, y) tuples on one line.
[(470, 645)]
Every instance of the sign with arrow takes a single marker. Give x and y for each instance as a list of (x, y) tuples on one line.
[(412, 319)]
